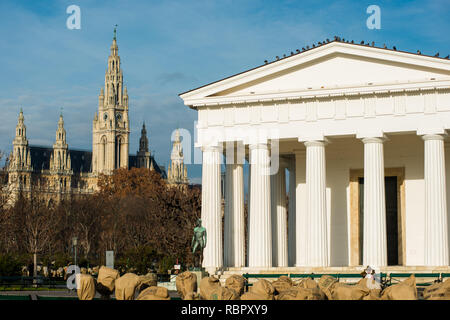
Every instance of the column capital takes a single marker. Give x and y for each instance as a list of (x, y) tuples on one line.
[(316, 143), (211, 148), (439, 136), (258, 146), (374, 139)]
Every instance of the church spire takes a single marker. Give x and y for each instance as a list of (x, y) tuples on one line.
[(21, 157), (60, 159), (177, 172), (144, 159)]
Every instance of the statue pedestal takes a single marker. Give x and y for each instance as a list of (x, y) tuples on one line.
[(200, 273)]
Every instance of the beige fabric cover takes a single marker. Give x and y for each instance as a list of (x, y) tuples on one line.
[(106, 279), (154, 293), (326, 284), (298, 293), (438, 291), (223, 293), (149, 280), (186, 283), (126, 286), (369, 289), (207, 286), (283, 283), (405, 290), (192, 296), (236, 282), (308, 283), (261, 290), (85, 286)]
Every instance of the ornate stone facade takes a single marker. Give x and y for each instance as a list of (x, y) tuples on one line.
[(59, 172), (177, 171)]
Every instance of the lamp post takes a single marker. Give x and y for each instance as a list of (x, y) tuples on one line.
[(74, 243)]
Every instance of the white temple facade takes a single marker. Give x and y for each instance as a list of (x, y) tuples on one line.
[(361, 134)]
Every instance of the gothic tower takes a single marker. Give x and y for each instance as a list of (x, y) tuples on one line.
[(60, 162), (111, 126), (143, 155), (177, 171), (19, 166)]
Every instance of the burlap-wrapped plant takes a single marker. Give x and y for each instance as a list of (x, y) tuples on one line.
[(236, 282), (154, 293), (283, 283), (438, 291), (186, 283), (149, 280), (405, 290), (207, 286), (85, 286), (223, 293), (261, 290), (126, 286), (106, 281)]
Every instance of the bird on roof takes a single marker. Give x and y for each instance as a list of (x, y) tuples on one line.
[(284, 55), (384, 46), (319, 43), (343, 40), (265, 61), (352, 41), (328, 40), (373, 43), (362, 42), (335, 37), (297, 50), (394, 48), (303, 49), (307, 47), (277, 57), (447, 56), (314, 45), (292, 53), (418, 52), (437, 54)]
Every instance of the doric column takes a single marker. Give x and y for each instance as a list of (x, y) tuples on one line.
[(301, 227), (228, 216), (436, 238), (260, 240), (279, 218), (317, 235), (211, 211), (374, 242), (234, 216), (291, 214)]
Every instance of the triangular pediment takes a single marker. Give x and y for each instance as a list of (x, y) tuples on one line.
[(331, 66)]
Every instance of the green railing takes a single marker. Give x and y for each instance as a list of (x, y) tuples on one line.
[(385, 278)]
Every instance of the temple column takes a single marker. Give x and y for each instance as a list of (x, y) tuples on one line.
[(436, 238), (374, 242), (279, 218), (317, 235), (234, 214), (291, 214), (260, 240), (211, 208)]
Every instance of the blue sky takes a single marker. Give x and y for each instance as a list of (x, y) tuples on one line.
[(168, 47)]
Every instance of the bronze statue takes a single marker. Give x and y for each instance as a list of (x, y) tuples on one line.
[(199, 240)]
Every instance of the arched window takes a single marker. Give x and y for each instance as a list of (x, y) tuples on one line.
[(118, 152), (103, 151)]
